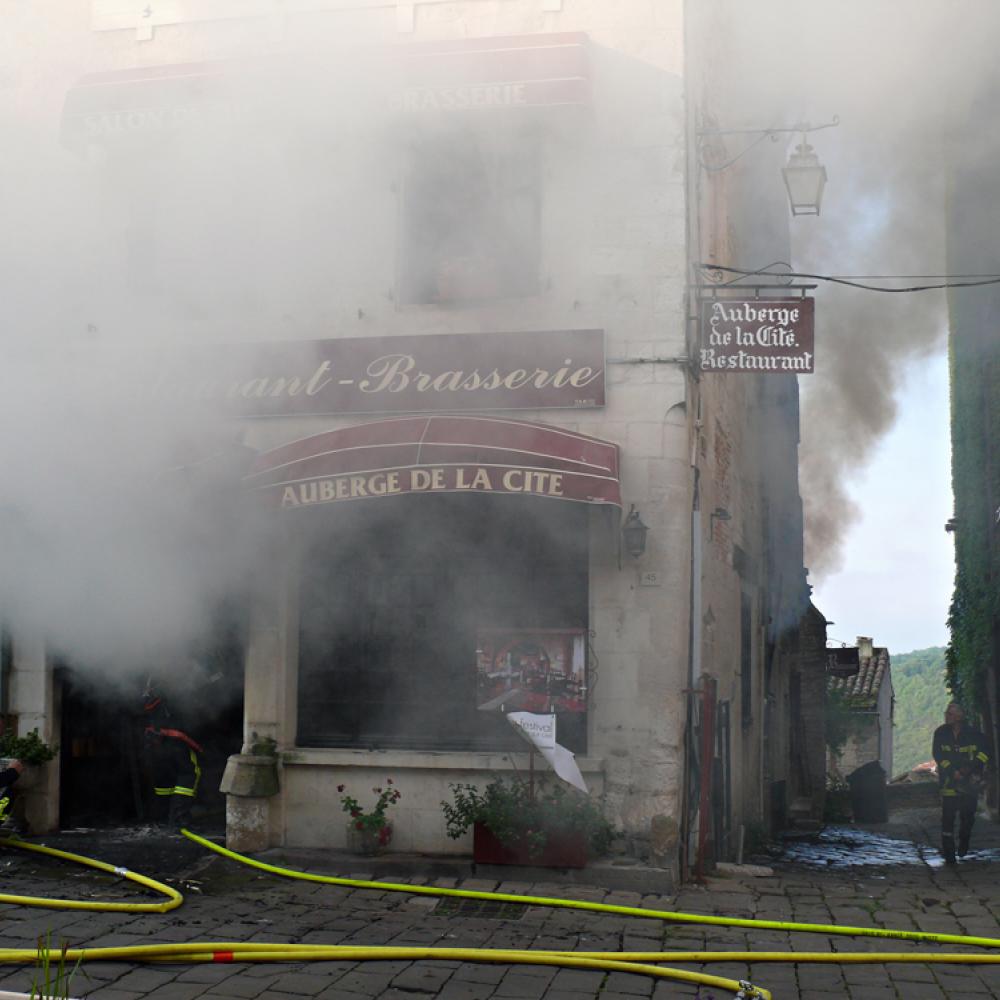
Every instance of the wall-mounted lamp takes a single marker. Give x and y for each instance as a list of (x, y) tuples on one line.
[(634, 533), (805, 176), (719, 514)]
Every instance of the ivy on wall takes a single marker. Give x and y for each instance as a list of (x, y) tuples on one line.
[(975, 405)]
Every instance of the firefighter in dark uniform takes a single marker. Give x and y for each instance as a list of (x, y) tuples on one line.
[(175, 758), (961, 755), (8, 776)]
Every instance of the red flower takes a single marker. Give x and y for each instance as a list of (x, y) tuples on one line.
[(388, 781), (355, 813), (359, 826)]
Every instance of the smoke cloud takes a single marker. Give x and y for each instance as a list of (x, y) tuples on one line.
[(900, 77), (124, 532)]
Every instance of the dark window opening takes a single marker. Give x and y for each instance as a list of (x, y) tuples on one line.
[(393, 593), (471, 216)]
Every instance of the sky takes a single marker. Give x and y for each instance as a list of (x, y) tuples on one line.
[(898, 561)]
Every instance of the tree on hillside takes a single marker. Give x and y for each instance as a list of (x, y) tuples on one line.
[(918, 683)]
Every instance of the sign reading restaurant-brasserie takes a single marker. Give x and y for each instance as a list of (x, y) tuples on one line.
[(433, 373), (757, 335)]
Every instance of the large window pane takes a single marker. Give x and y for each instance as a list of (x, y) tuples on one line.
[(393, 593)]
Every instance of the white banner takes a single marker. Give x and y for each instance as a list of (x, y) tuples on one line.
[(540, 731)]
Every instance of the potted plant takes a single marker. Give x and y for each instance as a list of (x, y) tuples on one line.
[(370, 832), (29, 749), (520, 823)]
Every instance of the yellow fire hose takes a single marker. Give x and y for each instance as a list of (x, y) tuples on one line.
[(629, 911), (174, 898), (632, 962)]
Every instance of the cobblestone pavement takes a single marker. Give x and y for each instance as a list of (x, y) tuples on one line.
[(878, 877)]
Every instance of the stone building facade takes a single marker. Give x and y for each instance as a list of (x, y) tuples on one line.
[(495, 210), (869, 695)]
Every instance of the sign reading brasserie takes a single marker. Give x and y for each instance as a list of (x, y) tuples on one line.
[(434, 373), (757, 335)]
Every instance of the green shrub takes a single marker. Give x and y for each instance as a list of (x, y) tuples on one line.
[(514, 812), (28, 749)]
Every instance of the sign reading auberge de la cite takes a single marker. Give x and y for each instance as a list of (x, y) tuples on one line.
[(758, 335)]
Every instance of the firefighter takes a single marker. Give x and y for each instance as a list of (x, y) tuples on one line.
[(961, 755), (174, 756), (8, 776)]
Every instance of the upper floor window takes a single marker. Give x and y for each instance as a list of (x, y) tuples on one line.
[(471, 215)]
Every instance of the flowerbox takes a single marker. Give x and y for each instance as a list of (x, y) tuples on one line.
[(563, 849)]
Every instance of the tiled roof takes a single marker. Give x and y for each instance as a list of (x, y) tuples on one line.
[(863, 687)]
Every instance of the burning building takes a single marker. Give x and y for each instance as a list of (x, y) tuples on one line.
[(413, 291)]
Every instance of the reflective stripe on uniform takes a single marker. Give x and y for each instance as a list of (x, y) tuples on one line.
[(197, 771), (188, 791)]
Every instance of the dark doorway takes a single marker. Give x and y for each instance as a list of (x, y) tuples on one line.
[(99, 753), (105, 775)]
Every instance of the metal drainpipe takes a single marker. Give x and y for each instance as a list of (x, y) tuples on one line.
[(694, 670)]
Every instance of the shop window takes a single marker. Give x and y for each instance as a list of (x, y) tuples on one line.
[(470, 228), (393, 598)]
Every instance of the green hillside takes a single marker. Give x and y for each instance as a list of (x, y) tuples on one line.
[(918, 682)]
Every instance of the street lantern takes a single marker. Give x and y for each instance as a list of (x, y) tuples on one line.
[(805, 178), (634, 534)]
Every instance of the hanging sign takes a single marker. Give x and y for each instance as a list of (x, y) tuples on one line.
[(763, 336)]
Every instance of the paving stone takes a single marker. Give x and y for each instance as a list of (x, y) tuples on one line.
[(145, 979), (463, 990), (300, 983), (925, 991), (521, 987), (241, 986), (176, 991), (422, 978), (872, 993), (475, 973), (109, 993), (577, 979), (367, 983), (628, 984)]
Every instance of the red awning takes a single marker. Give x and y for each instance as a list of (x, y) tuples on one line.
[(438, 454)]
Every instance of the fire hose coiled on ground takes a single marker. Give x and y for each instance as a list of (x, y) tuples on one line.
[(641, 963)]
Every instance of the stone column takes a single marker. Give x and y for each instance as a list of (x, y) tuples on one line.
[(32, 701), (249, 782)]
